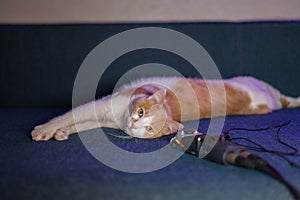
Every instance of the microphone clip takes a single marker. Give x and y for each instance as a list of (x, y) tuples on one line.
[(191, 141)]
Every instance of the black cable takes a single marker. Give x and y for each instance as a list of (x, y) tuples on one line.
[(259, 163), (260, 148)]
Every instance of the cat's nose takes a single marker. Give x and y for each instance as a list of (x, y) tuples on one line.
[(132, 126)]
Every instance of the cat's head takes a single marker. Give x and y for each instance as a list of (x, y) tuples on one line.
[(148, 117)]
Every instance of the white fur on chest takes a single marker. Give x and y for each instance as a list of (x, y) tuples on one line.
[(112, 110), (119, 106)]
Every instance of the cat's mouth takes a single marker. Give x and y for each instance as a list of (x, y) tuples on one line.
[(132, 126)]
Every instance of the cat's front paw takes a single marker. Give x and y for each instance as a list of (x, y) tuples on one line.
[(42, 133)]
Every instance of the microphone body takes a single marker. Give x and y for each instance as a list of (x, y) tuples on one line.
[(223, 152), (226, 152)]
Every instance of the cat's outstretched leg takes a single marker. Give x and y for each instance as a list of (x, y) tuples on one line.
[(87, 117), (63, 133), (58, 127)]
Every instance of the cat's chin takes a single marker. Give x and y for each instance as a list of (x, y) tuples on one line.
[(128, 130), (135, 132)]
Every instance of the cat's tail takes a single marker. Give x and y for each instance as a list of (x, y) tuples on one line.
[(289, 102)]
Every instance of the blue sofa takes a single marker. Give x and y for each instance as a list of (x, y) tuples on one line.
[(38, 68)]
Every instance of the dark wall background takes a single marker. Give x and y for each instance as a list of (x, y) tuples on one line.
[(38, 63)]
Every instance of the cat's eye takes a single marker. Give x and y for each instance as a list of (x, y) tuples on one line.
[(140, 112), (149, 129)]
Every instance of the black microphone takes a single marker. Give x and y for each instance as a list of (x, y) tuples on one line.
[(226, 152)]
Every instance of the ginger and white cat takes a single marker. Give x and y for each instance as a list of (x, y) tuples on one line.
[(153, 107)]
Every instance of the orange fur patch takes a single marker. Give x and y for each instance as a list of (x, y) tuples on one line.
[(236, 101), (284, 102)]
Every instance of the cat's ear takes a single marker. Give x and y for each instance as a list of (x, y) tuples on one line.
[(172, 127), (158, 96)]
